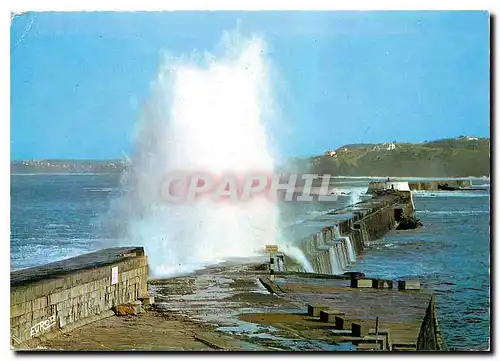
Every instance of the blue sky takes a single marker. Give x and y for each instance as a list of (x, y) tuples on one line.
[(78, 80)]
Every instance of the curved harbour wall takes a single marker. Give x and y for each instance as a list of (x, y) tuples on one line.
[(334, 248)]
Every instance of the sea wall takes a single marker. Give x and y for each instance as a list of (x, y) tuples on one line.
[(334, 248), (59, 295), (430, 337), (399, 186), (439, 185)]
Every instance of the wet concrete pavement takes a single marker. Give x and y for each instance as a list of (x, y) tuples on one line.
[(225, 307)]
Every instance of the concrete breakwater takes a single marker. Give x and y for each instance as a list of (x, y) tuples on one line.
[(430, 337), (63, 295), (332, 249), (452, 184)]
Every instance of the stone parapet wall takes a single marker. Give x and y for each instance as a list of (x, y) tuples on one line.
[(51, 297)]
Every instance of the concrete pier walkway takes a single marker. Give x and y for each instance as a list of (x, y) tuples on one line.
[(225, 307)]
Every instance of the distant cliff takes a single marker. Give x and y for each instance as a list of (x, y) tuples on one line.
[(457, 157), (66, 166)]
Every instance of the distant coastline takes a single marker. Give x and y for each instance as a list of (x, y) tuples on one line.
[(454, 157), (67, 166)]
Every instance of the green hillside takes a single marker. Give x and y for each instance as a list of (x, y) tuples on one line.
[(458, 157)]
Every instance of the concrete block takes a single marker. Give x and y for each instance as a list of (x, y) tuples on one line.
[(86, 288), (125, 265), (359, 330), (361, 283), (58, 297), (88, 276), (368, 347), (15, 321), (137, 304), (41, 313), (20, 309), (17, 296), (143, 261), (60, 282), (95, 296), (341, 332), (380, 284), (404, 285), (329, 315), (30, 292), (21, 320), (64, 311), (339, 323), (82, 278), (314, 310), (380, 339), (34, 291), (68, 283), (75, 280), (74, 301), (384, 332), (48, 287), (39, 303), (63, 305)]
